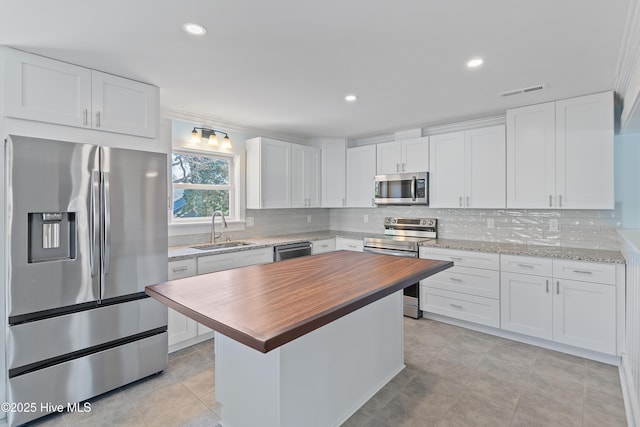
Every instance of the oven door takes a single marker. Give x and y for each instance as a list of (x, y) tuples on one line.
[(411, 307)]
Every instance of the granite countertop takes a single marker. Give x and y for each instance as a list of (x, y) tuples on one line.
[(594, 255)]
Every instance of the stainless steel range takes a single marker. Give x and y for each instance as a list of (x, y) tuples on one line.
[(402, 237)]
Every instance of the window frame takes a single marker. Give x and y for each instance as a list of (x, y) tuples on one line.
[(231, 187)]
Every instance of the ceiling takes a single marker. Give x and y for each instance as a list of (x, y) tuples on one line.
[(286, 65)]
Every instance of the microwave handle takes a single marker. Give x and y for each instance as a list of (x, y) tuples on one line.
[(413, 188)]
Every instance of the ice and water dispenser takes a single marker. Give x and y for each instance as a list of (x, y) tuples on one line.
[(51, 236)]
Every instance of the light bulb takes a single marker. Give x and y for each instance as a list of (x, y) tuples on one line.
[(213, 139), (195, 137), (226, 143)]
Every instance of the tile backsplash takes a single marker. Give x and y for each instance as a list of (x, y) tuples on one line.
[(592, 229)]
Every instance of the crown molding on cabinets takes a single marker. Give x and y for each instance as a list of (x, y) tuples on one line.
[(229, 126), (466, 125)]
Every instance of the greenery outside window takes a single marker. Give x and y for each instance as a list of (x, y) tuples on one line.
[(202, 184)]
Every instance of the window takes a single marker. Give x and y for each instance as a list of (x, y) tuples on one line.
[(202, 184)]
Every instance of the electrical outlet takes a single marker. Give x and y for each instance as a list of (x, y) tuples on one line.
[(309, 219), (491, 223), (366, 218), (249, 221), (553, 224)]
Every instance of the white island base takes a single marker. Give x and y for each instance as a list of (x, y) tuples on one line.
[(319, 379)]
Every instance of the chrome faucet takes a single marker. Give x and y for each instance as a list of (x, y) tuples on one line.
[(213, 225)]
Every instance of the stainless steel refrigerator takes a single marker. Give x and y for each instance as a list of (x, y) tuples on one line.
[(87, 230)]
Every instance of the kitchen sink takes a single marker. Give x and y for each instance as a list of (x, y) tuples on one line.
[(211, 246)]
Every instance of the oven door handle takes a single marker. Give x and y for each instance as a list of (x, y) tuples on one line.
[(405, 254)]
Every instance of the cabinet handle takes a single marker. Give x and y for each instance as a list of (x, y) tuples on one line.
[(525, 265), (467, 201), (324, 246), (373, 202), (456, 306), (179, 269), (460, 201), (557, 287), (98, 119), (550, 200), (582, 272), (86, 117), (397, 167), (547, 286), (560, 200), (403, 165), (455, 279), (344, 202), (352, 246)]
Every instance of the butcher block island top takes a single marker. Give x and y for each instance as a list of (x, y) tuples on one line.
[(266, 306)]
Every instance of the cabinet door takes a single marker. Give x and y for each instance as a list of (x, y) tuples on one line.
[(298, 195), (389, 158), (275, 167), (531, 156), (334, 178), (211, 263), (322, 246), (344, 244), (526, 304), (584, 152), (361, 172), (124, 106), (446, 176), (312, 176), (47, 90), (415, 154), (485, 168), (180, 327), (254, 256), (584, 315)]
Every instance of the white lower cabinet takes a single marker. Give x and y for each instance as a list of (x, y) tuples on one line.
[(346, 244), (180, 327), (470, 290), (570, 302), (322, 246), (184, 331)]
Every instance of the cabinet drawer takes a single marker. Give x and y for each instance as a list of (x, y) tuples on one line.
[(526, 265), (322, 246), (485, 311), (472, 281), (211, 263), (585, 271), (463, 258), (349, 244), (182, 268), (254, 256)]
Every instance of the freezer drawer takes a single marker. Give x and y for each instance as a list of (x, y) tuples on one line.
[(89, 376), (44, 339)]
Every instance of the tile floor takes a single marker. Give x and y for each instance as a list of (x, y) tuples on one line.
[(454, 377)]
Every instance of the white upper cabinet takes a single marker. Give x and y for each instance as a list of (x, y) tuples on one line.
[(334, 178), (305, 169), (560, 154), (124, 106), (46, 90), (361, 172), (584, 152), (446, 174), (468, 169), (410, 155), (268, 173)]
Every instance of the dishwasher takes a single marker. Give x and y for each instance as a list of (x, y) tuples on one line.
[(291, 250)]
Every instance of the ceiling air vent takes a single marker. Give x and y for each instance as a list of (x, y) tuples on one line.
[(523, 90)]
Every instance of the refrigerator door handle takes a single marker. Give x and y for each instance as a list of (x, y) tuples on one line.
[(94, 217), (106, 203)]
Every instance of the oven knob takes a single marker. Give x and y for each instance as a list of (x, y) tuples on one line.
[(423, 222), (393, 221)]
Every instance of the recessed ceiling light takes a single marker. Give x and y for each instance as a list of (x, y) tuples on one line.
[(476, 62), (350, 98), (194, 29)]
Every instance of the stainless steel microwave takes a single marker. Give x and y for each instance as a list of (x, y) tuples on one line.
[(402, 189)]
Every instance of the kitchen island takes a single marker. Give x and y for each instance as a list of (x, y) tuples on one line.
[(305, 341)]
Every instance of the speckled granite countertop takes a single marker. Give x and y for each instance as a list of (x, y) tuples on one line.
[(185, 252)]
